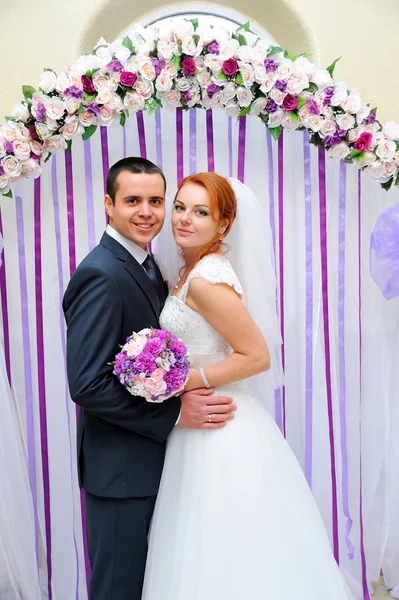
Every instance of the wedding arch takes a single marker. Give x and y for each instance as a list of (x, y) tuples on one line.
[(336, 408)]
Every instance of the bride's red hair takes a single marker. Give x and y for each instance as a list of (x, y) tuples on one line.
[(223, 208)]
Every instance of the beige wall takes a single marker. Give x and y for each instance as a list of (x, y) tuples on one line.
[(51, 33)]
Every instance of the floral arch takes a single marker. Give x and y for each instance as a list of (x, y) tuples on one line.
[(320, 212)]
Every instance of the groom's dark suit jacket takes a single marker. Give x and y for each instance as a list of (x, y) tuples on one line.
[(121, 438)]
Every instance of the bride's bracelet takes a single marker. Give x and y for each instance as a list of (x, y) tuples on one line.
[(204, 379)]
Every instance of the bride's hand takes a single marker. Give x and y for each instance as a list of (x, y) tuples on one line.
[(194, 381)]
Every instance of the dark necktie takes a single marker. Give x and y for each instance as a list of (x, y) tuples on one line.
[(151, 271)]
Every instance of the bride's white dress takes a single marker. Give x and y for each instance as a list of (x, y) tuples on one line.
[(234, 518)]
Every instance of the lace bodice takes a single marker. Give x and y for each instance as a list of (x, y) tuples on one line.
[(204, 344)]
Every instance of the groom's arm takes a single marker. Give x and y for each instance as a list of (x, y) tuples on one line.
[(93, 311)]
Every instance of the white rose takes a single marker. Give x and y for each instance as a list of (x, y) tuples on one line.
[(362, 113), (340, 151), (31, 168), (204, 78), (285, 70), (244, 96), (2, 149), (115, 102), (228, 49), (345, 121), (289, 124), (391, 168), (22, 132), (72, 104), (144, 89), (277, 96), (391, 130), (259, 72), (87, 118), (244, 53), (43, 131), (55, 143), (297, 82), (276, 118), (166, 50), (48, 81), (219, 34), (106, 116), (101, 81), (247, 73), (260, 50), (55, 108), (172, 99), (376, 170), (171, 69), (9, 132), (386, 150), (228, 92), (11, 166), (268, 83), (132, 64), (232, 109), (328, 112), (258, 106), (199, 63), (133, 101), (20, 112), (86, 62), (103, 96), (213, 62), (52, 124), (315, 122), (368, 159), (189, 46), (194, 98), (4, 184), (378, 137), (164, 81), (355, 133), (321, 78), (147, 69), (304, 66), (21, 149), (64, 82), (340, 93), (184, 84), (396, 157), (318, 97), (71, 128), (372, 127), (36, 147), (182, 28), (352, 103), (120, 51)]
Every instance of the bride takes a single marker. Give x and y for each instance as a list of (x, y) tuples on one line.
[(234, 519)]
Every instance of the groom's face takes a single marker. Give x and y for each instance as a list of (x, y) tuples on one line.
[(138, 212)]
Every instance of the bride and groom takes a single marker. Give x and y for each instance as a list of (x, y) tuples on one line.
[(230, 511)]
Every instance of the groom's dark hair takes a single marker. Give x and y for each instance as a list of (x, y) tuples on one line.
[(133, 164)]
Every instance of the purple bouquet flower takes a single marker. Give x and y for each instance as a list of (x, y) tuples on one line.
[(153, 364)]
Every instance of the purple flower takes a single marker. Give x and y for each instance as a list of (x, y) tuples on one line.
[(230, 67), (155, 346), (115, 65), (270, 65), (329, 93), (312, 106), (73, 91), (340, 133), (145, 363), (271, 106), (128, 79), (187, 96), (93, 108), (330, 140), (33, 132), (174, 379), (35, 156), (8, 147), (88, 84), (213, 48), (159, 64), (1, 170), (363, 141), (40, 112), (213, 89), (280, 85), (177, 347), (290, 102), (189, 67), (370, 119)]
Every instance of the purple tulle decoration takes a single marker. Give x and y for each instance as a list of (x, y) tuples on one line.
[(384, 252)]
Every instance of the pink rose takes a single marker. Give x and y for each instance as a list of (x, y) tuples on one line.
[(230, 67), (155, 387), (128, 79), (87, 84), (290, 102), (189, 67), (363, 141)]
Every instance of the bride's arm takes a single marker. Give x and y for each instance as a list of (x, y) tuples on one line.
[(222, 308)]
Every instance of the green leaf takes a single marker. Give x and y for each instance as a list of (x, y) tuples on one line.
[(355, 154), (373, 110), (28, 91), (244, 111), (196, 38), (290, 56), (275, 131), (301, 102), (195, 23), (179, 45), (242, 40), (176, 60), (89, 73), (88, 97), (127, 42), (293, 115), (122, 119), (9, 119), (397, 179), (274, 50), (239, 79), (312, 88), (221, 75), (68, 146), (388, 184), (244, 27), (8, 194), (49, 155), (331, 68), (89, 131)]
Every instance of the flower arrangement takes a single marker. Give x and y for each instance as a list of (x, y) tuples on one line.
[(184, 64), (153, 364)]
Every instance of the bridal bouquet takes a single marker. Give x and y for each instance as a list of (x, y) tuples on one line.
[(153, 364)]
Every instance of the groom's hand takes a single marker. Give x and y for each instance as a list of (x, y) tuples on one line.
[(201, 410)]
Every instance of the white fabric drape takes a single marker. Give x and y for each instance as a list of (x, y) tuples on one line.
[(340, 422)]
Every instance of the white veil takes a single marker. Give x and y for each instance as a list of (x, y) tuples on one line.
[(250, 252)]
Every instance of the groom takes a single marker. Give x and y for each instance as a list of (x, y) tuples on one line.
[(118, 289)]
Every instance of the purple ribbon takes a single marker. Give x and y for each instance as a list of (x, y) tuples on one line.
[(70, 212), (193, 141), (230, 144), (241, 148), (179, 145), (124, 142), (4, 308), (30, 426), (324, 281), (158, 136), (141, 132), (309, 313), (209, 140), (105, 160), (366, 594), (281, 265), (41, 378), (91, 229)]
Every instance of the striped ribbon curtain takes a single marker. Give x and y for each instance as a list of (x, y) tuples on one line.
[(337, 409)]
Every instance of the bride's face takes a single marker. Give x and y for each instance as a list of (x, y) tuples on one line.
[(193, 224)]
